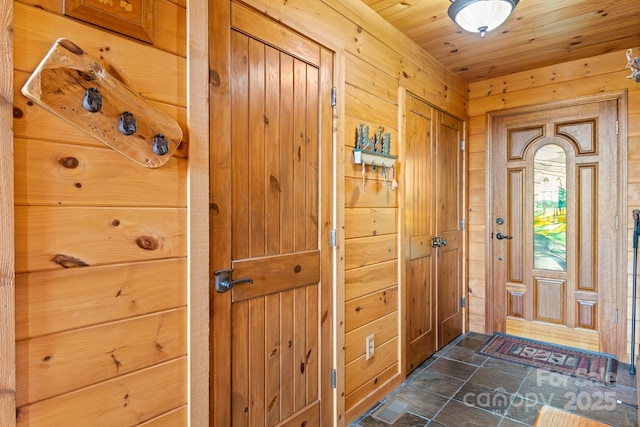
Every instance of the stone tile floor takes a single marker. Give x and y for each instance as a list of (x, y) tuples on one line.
[(457, 387)]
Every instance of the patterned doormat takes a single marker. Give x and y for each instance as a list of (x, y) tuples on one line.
[(566, 360)]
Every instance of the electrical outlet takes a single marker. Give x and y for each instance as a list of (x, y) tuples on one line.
[(370, 347)]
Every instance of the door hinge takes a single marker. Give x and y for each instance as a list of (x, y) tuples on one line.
[(616, 315), (617, 127), (462, 302), (617, 222), (332, 238), (334, 380), (463, 144), (462, 224), (334, 93)]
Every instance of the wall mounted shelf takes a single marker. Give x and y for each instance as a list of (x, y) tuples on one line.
[(374, 158), (373, 150)]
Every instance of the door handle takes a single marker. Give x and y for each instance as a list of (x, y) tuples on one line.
[(501, 236), (223, 280), (438, 241)]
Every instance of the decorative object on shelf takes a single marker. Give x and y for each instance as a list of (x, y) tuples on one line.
[(480, 16), (375, 151), (633, 64), (76, 88)]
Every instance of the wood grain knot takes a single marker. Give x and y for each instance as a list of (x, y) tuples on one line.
[(69, 162), (325, 315), (17, 113), (297, 268), (68, 261), (272, 403), (213, 207), (302, 368), (275, 184), (148, 243), (71, 46), (214, 78)]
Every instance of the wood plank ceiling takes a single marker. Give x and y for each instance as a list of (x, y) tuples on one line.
[(538, 33)]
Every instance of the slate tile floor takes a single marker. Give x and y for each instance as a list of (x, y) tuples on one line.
[(457, 387)]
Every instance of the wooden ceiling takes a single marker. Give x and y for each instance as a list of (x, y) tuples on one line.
[(538, 33)]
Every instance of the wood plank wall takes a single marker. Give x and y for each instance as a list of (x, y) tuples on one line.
[(105, 343), (377, 60), (604, 73), (91, 213)]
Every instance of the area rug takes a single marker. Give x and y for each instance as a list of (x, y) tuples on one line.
[(555, 358)]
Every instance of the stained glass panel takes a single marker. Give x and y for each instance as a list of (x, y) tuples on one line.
[(550, 209)]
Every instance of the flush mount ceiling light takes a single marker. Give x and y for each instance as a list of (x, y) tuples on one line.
[(480, 16)]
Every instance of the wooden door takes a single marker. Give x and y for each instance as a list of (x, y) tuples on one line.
[(448, 167), (420, 229), (433, 230), (271, 339), (554, 182)]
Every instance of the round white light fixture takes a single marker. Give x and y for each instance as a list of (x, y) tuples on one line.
[(480, 16)]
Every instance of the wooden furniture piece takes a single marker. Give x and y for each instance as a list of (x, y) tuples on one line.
[(552, 417)]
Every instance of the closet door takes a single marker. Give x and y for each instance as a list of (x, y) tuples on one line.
[(448, 182), (420, 224), (433, 236)]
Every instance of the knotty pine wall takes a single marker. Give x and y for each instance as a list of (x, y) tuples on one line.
[(105, 343), (102, 320), (604, 73)]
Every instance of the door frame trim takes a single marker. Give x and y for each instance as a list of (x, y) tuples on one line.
[(495, 322), (7, 238), (197, 211)]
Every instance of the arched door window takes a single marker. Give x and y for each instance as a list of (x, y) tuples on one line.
[(550, 209)]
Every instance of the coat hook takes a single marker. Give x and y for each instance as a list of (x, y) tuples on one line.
[(394, 183), (92, 100), (127, 123), (160, 145)]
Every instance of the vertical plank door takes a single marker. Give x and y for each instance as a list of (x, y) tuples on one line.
[(271, 333), (420, 228), (433, 210)]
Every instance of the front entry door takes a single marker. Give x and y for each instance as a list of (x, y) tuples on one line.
[(554, 224), (271, 335)]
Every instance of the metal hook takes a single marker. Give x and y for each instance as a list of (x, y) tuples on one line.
[(92, 100), (160, 145), (127, 123)]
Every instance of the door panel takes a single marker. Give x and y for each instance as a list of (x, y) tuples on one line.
[(553, 184), (279, 162), (432, 211), (420, 228), (448, 216)]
